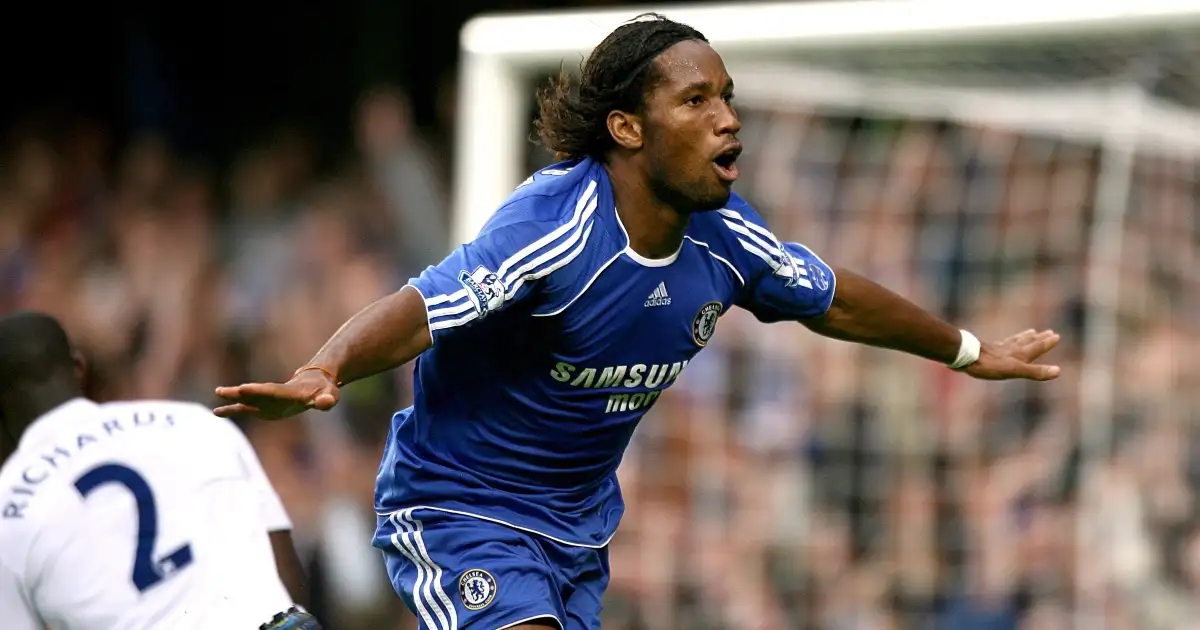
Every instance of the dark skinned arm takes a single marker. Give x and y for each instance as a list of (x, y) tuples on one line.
[(387, 334), (867, 313), (287, 564)]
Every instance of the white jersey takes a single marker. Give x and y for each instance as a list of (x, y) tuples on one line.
[(138, 515)]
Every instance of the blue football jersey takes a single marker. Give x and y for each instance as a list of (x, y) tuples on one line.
[(551, 340)]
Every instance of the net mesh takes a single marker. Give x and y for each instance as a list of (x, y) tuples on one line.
[(789, 481)]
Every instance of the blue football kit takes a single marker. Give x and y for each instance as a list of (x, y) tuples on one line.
[(497, 494)]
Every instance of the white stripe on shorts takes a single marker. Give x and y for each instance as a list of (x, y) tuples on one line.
[(410, 542)]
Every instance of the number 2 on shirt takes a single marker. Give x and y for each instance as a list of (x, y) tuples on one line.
[(146, 570)]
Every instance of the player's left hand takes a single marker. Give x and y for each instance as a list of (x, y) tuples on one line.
[(308, 389), (1015, 358)]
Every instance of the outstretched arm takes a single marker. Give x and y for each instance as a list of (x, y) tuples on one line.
[(789, 282), (501, 267), (389, 333), (865, 312)]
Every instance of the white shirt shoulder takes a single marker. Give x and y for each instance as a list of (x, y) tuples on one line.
[(219, 449), (134, 515)]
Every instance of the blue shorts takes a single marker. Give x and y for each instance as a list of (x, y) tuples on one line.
[(458, 572)]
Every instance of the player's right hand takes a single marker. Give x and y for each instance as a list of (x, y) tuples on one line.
[(309, 389)]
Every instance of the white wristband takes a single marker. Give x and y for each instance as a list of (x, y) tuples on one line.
[(968, 352)]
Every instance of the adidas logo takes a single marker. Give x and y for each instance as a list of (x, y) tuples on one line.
[(659, 296)]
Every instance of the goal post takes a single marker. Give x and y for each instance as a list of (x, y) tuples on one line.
[(1067, 131)]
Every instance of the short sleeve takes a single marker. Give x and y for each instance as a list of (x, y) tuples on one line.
[(501, 267), (783, 281), (19, 613), (271, 511)]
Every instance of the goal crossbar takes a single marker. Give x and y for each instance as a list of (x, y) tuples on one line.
[(1082, 112), (752, 27), (501, 53)]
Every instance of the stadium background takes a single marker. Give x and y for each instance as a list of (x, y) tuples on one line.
[(204, 192)]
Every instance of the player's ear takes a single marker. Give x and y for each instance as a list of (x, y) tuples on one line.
[(80, 364), (625, 129)]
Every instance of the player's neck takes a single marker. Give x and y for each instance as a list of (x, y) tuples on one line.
[(39, 401), (655, 228)]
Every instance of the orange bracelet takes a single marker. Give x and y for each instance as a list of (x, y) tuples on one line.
[(321, 370)]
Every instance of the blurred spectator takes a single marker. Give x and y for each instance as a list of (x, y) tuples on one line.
[(401, 167)]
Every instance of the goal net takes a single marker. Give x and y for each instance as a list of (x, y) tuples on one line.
[(1008, 166)]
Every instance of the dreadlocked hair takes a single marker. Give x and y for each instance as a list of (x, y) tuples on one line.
[(572, 117)]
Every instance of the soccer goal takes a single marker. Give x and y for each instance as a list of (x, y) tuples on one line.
[(1008, 164)]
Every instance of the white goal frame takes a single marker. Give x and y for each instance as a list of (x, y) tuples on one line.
[(501, 54)]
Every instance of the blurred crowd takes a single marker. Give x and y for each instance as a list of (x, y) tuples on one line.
[(841, 487), (174, 276), (786, 481)]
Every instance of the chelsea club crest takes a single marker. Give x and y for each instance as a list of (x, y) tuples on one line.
[(818, 275), (477, 589), (705, 323)]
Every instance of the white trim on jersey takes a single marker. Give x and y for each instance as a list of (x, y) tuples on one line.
[(530, 263), (587, 286), (772, 253), (428, 319), (497, 521), (720, 258), (737, 216), (410, 542), (533, 618), (813, 254), (832, 273)]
